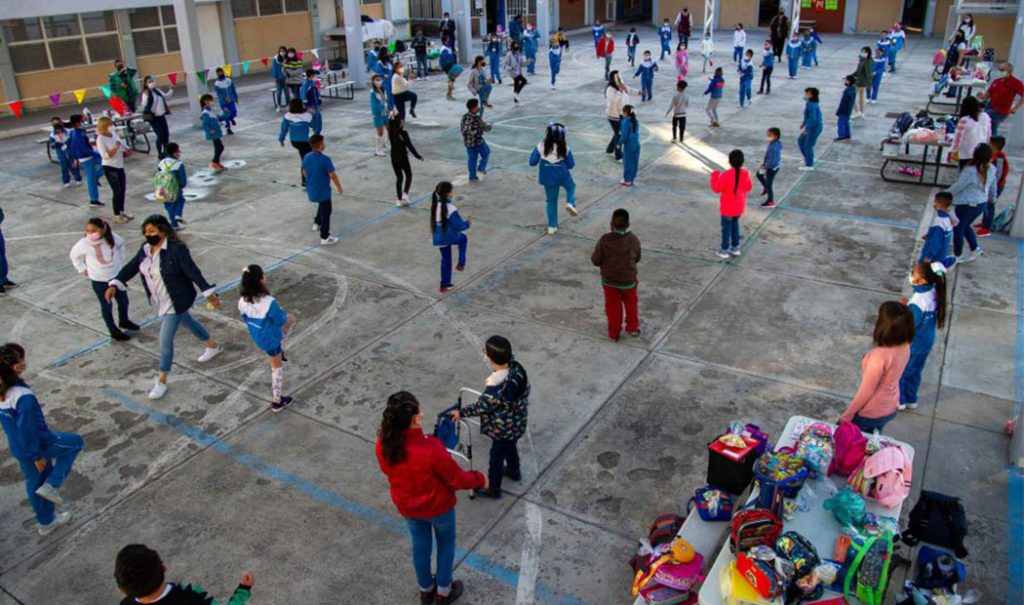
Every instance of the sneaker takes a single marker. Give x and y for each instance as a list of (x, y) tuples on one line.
[(571, 210), (401, 202), (451, 597), (405, 196), (209, 354), (723, 254), (129, 325), (552, 230), (481, 171), (909, 405), (178, 227), (768, 204), (444, 289), (328, 241), (806, 168), (277, 406), (49, 492), (9, 284), (159, 390), (316, 227), (735, 251), (119, 335), (966, 257), (58, 522), (121, 218), (412, 112), (67, 185), (493, 494), (95, 204), (982, 232), (426, 598), (635, 334), (379, 153), (3, 291), (841, 139), (230, 131)]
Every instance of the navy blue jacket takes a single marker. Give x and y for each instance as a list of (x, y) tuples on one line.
[(79, 147), (846, 102), (178, 270)]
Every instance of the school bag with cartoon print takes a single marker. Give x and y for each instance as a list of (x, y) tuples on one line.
[(867, 575), (165, 184), (815, 446), (799, 551)]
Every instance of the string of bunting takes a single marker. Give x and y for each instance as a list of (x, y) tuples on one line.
[(16, 107)]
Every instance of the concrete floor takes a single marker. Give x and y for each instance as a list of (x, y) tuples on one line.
[(218, 484)]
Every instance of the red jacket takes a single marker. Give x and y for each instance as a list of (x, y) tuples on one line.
[(732, 200), (423, 485), (605, 46)]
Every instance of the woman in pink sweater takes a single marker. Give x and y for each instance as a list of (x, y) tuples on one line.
[(878, 397)]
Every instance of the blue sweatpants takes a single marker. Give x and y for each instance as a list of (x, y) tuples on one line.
[(446, 259)]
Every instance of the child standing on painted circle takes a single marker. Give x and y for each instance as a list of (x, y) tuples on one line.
[(175, 168), (732, 187), (211, 129), (555, 160), (629, 140), (447, 228), (268, 325), (928, 306)]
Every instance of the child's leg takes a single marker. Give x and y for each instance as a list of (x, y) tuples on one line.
[(169, 208), (121, 298), (463, 245), (551, 204), (324, 216), (570, 194), (735, 232), (471, 160), (65, 167), (512, 466), (106, 311), (276, 377), (910, 381), (446, 266), (613, 311), (990, 214), (63, 450), (92, 177), (485, 154), (770, 183), (397, 168), (218, 148), (630, 302), (43, 509), (726, 233)]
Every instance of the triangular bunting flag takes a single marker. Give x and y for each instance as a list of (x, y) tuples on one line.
[(55, 99), (265, 61), (317, 65), (201, 74), (299, 54), (119, 106), (227, 69), (316, 52), (106, 91), (245, 67), (173, 77), (79, 95), (15, 108)]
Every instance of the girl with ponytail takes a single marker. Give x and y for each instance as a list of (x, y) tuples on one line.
[(556, 162), (268, 324), (423, 480), (733, 185), (99, 256), (928, 306), (447, 227)]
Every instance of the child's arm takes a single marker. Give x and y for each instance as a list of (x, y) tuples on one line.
[(284, 131), (77, 256), (570, 162), (534, 157), (336, 181), (408, 143), (597, 256), (182, 177)]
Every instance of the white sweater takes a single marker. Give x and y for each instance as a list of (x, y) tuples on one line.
[(615, 99), (110, 156), (739, 38), (84, 257)]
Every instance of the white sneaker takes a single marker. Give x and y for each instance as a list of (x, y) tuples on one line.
[(571, 209), (553, 88), (330, 240), (402, 203), (552, 230), (49, 492), (806, 168), (58, 522), (66, 185), (209, 354), (735, 251), (379, 153), (159, 390), (966, 257), (723, 254), (909, 406), (316, 227), (902, 407)]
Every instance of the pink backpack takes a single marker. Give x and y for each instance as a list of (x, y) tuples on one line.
[(850, 444), (891, 471)]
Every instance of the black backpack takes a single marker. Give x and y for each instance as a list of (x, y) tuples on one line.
[(939, 520), (902, 124)]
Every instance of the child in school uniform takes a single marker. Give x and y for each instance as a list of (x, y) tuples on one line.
[(172, 164), (227, 98), (554, 61), (1002, 164), (682, 62), (739, 43), (629, 140), (897, 39), (598, 32), (555, 163), (770, 165), (794, 48), (707, 50), (297, 125), (85, 158), (746, 71), (877, 72), (448, 229), (616, 254), (59, 139), (810, 128), (318, 169), (939, 238), (632, 40), (268, 325), (677, 108), (928, 306), (767, 67), (732, 187), (807, 49), (715, 88), (665, 37), (493, 53), (884, 43), (310, 93), (646, 73), (845, 109), (211, 128), (815, 41)]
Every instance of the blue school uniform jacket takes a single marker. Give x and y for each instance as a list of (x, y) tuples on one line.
[(878, 66), (178, 168), (812, 116), (276, 69), (773, 154), (530, 37), (597, 31), (378, 109), (923, 306), (715, 87), (555, 59), (226, 92), (447, 59), (665, 33), (449, 234), (310, 94), (767, 58), (629, 135), (371, 60), (937, 240), (793, 49), (23, 422), (808, 45), (746, 71), (297, 127), (554, 170), (883, 43), (646, 71), (264, 318), (79, 146), (846, 102), (60, 141), (211, 124)]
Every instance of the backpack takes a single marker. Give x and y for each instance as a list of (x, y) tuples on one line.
[(938, 569), (940, 520), (761, 575), (664, 529), (850, 443), (712, 504), (165, 185), (447, 432), (1001, 221), (815, 446), (799, 551), (673, 564), (939, 58), (752, 527), (868, 573), (892, 471), (902, 124)]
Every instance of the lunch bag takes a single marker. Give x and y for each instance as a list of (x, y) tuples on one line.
[(850, 443), (799, 551), (787, 471), (867, 574), (712, 504), (752, 527), (892, 471), (938, 569), (761, 575), (664, 529), (940, 520), (815, 445)]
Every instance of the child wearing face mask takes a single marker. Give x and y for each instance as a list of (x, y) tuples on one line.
[(311, 98), (877, 71), (280, 84), (767, 67), (172, 165), (268, 325), (928, 306), (794, 48), (770, 165), (493, 53), (99, 255), (746, 71), (211, 127), (530, 38), (665, 35), (227, 98), (646, 73), (739, 43), (682, 62), (293, 73), (58, 142)]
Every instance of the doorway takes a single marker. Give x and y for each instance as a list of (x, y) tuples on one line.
[(913, 14), (767, 9)]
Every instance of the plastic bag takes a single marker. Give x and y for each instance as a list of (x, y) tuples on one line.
[(847, 507)]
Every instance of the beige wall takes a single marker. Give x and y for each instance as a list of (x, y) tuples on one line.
[(667, 9), (732, 12), (374, 11), (160, 64), (259, 37), (45, 83), (941, 14), (876, 15), (997, 31)]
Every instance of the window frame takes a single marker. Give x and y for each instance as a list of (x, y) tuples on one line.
[(162, 27), (81, 37), (284, 10)]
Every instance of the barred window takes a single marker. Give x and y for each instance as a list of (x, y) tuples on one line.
[(39, 44), (266, 8), (153, 30)]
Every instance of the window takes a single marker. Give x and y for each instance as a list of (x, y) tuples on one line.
[(266, 8), (153, 30), (39, 44)]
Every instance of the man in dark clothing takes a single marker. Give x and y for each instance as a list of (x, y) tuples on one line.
[(447, 27), (684, 26), (502, 409), (779, 32), (419, 45), (617, 254)]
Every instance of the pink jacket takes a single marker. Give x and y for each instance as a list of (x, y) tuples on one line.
[(682, 63), (879, 392), (732, 200)]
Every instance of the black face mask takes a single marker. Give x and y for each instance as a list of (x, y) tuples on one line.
[(153, 240)]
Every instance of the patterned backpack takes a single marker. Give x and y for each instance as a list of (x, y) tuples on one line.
[(884, 476), (815, 445), (752, 527), (801, 553), (868, 573), (850, 444)]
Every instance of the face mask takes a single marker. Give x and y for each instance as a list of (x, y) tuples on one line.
[(151, 85), (123, 70), (93, 236), (222, 78), (291, 55), (863, 55), (153, 240)]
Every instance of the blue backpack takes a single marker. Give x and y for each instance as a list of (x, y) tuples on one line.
[(447, 431)]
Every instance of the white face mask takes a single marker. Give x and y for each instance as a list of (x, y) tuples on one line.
[(151, 85)]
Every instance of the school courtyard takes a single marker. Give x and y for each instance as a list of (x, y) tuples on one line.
[(219, 485)]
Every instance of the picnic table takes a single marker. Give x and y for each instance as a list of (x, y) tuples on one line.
[(930, 160), (963, 88), (127, 127), (331, 87)]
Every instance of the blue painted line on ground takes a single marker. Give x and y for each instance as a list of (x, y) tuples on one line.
[(482, 564), (852, 217), (1015, 483)]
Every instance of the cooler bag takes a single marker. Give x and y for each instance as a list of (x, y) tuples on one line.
[(731, 469)]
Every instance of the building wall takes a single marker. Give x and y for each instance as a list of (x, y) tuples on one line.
[(731, 12), (43, 83), (941, 14), (374, 11), (997, 31), (209, 34), (572, 13), (259, 37), (160, 64), (876, 15), (668, 9)]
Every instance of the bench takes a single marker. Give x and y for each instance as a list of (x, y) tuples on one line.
[(925, 162), (341, 90), (133, 130)]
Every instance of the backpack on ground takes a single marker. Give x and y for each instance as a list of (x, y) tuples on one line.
[(816, 447), (850, 444), (938, 569), (674, 565), (664, 529), (867, 573), (165, 184), (753, 527), (940, 520), (1002, 221)]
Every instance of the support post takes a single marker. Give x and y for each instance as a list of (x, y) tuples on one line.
[(709, 16), (1016, 124), (794, 17), (543, 25), (464, 30), (124, 30), (7, 78), (929, 17), (353, 42), (588, 12), (191, 53), (227, 31)]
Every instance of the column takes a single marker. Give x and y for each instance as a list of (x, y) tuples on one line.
[(227, 32), (588, 12), (191, 53), (124, 28), (655, 11), (7, 78), (1015, 137), (929, 17), (556, 20), (850, 16), (314, 24), (463, 30), (354, 42), (543, 25)]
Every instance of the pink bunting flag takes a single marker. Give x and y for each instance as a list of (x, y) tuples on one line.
[(15, 108), (173, 77), (299, 54), (317, 65), (119, 106), (55, 99)]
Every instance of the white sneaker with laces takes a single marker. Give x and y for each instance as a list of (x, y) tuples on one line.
[(723, 254), (330, 240), (58, 522), (316, 227), (806, 168), (209, 354), (159, 390), (552, 230), (571, 209), (49, 492)]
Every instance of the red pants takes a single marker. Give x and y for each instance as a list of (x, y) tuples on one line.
[(614, 300)]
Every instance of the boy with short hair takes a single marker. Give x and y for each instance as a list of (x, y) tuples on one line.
[(617, 254), (1002, 165), (632, 40), (939, 237), (319, 172), (503, 411), (477, 151), (140, 572), (678, 110), (646, 73), (845, 109), (665, 36), (227, 98)]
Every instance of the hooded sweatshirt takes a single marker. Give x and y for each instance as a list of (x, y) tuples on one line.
[(617, 254), (296, 126), (177, 594), (23, 421), (264, 318)]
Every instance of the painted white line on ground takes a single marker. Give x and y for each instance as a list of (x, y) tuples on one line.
[(529, 562)]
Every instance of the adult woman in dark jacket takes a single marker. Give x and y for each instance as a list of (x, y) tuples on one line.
[(170, 277), (423, 479), (862, 79)]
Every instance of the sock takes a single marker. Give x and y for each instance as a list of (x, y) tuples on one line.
[(276, 382)]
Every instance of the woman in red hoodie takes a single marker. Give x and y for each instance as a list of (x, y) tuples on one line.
[(424, 479), (732, 186)]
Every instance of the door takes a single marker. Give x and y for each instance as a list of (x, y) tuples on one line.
[(827, 15), (571, 13), (609, 10)]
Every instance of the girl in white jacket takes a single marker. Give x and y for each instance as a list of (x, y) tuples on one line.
[(99, 256), (616, 96)]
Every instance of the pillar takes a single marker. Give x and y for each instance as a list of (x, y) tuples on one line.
[(1014, 141), (588, 12), (464, 29), (655, 11), (556, 19), (929, 17), (7, 78), (191, 53), (354, 42), (124, 29), (314, 23), (850, 16), (543, 25), (227, 32)]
